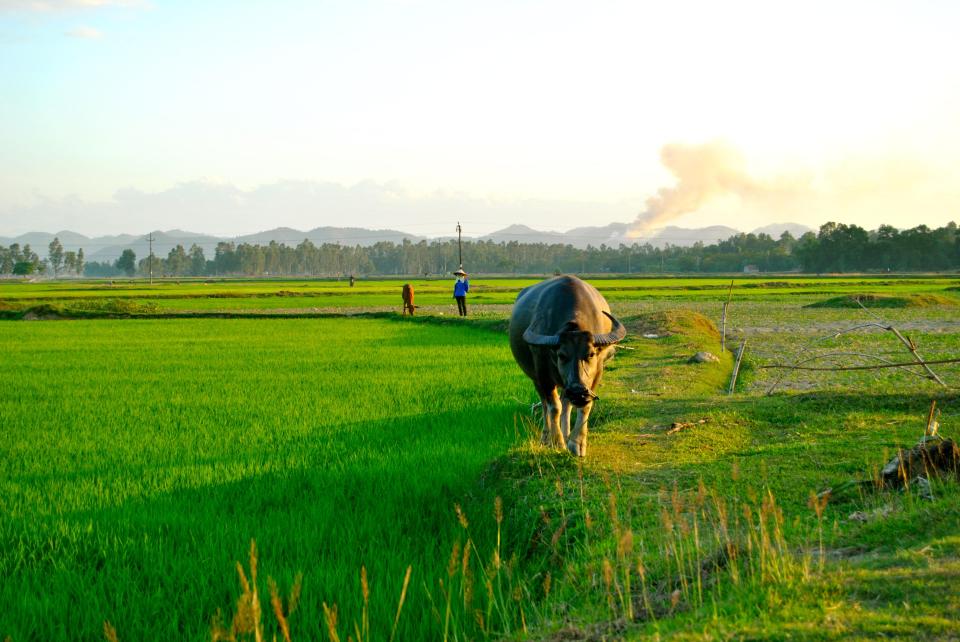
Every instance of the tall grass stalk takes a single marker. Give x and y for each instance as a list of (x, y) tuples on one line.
[(698, 555)]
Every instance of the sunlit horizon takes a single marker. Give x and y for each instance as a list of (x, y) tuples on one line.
[(125, 116)]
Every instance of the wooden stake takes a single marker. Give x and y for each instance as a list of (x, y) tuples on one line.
[(736, 366), (723, 319), (931, 430)]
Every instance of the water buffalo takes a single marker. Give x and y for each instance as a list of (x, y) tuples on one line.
[(561, 334), (408, 296)]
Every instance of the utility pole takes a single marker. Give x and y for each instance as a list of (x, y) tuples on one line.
[(460, 244), (150, 258)]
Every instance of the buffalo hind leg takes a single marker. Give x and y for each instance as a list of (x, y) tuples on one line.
[(577, 442), (551, 419)]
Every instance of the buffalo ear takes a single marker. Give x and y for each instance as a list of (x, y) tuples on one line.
[(616, 334), (535, 339)]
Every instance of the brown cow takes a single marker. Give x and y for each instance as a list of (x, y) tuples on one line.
[(408, 299)]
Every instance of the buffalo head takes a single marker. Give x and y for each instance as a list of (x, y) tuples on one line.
[(579, 356)]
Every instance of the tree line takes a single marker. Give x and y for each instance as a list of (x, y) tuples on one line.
[(836, 247)]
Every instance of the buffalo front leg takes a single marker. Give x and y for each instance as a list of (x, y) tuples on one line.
[(565, 408), (551, 419), (577, 441)]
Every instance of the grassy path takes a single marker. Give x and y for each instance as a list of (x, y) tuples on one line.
[(890, 571)]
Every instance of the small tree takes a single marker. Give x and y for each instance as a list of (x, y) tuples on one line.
[(144, 265), (80, 262), (70, 262), (198, 262), (178, 264), (6, 261), (22, 268), (56, 256), (127, 262)]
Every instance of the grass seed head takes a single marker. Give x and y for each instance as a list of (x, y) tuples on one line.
[(454, 559), (253, 561), (818, 503), (364, 586), (330, 617), (294, 600), (625, 544), (109, 632), (461, 517), (277, 603)]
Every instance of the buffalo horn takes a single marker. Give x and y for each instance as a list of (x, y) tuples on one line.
[(616, 333), (535, 339)]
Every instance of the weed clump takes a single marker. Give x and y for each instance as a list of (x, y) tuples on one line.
[(885, 301), (83, 309)]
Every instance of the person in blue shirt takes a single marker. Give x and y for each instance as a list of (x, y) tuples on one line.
[(460, 288)]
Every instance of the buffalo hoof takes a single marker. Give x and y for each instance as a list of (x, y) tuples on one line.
[(552, 441), (577, 450)]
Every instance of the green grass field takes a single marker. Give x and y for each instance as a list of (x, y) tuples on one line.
[(141, 456), (226, 295)]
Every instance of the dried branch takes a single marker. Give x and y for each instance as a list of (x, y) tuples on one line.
[(880, 324), (913, 350), (862, 355), (881, 365), (907, 342)]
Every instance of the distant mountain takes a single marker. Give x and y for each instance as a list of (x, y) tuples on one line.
[(320, 235), (777, 229), (615, 234), (524, 234), (685, 237), (612, 234), (108, 248), (39, 241)]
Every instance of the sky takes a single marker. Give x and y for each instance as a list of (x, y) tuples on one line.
[(234, 117)]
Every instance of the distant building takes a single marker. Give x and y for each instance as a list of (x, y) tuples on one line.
[(750, 269)]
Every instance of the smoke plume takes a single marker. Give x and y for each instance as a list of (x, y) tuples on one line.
[(703, 172)]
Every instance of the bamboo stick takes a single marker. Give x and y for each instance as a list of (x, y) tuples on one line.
[(736, 367), (723, 319)]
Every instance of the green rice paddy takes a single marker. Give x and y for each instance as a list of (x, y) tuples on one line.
[(140, 457)]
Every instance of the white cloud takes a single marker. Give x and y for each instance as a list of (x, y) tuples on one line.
[(87, 33)]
